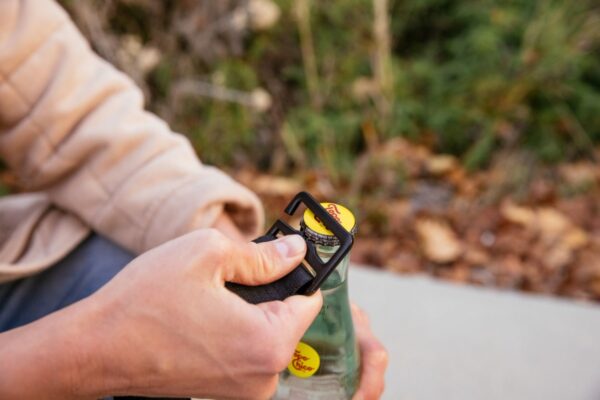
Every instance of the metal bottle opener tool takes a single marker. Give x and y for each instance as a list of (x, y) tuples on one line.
[(300, 280)]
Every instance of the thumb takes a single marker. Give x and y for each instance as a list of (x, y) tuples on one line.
[(260, 263)]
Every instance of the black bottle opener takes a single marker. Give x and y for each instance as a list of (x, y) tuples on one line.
[(300, 280)]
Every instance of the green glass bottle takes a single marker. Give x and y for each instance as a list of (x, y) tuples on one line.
[(326, 362)]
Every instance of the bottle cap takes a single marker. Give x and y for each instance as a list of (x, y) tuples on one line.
[(314, 230)]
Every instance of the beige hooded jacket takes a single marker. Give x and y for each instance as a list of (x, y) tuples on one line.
[(73, 129)]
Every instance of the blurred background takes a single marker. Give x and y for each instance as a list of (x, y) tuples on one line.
[(465, 135)]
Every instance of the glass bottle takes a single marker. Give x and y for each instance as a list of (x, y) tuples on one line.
[(326, 362)]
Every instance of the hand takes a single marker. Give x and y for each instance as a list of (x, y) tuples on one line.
[(181, 332), (374, 358), (167, 326)]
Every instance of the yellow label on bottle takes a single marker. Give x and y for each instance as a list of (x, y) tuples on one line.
[(340, 213), (305, 361)]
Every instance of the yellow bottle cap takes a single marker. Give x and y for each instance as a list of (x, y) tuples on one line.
[(305, 362), (316, 231)]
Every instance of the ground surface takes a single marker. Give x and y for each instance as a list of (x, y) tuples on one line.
[(450, 342)]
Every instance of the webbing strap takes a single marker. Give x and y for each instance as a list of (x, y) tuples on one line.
[(281, 289)]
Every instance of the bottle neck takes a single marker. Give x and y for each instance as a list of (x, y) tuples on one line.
[(340, 274)]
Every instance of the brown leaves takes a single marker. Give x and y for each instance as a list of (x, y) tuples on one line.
[(556, 238), (442, 164), (438, 242), (442, 221), (517, 215), (277, 185)]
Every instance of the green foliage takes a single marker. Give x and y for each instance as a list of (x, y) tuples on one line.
[(328, 138), (522, 63), (467, 77)]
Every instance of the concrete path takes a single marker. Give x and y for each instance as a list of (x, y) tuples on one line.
[(460, 343)]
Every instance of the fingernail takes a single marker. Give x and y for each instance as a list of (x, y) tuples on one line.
[(290, 246)]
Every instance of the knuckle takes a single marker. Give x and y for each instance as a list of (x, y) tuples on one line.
[(379, 358), (256, 253), (261, 259), (384, 358)]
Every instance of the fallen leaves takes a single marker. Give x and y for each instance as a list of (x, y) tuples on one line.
[(440, 220), (557, 238), (439, 165), (279, 186), (438, 241), (517, 215)]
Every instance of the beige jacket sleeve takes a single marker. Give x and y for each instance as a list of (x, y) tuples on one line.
[(74, 127)]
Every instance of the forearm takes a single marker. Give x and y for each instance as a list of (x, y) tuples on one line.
[(48, 358), (75, 127)]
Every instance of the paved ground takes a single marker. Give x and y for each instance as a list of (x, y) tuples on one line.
[(457, 342)]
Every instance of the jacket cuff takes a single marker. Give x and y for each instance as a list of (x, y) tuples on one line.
[(197, 204)]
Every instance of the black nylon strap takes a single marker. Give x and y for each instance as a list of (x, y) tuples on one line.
[(278, 290)]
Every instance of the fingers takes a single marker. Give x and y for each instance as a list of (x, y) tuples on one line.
[(290, 319), (303, 311), (374, 358), (295, 313), (255, 264)]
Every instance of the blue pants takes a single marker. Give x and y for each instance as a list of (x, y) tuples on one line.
[(87, 268)]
